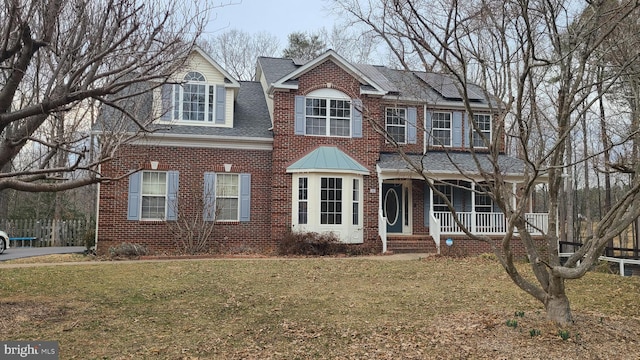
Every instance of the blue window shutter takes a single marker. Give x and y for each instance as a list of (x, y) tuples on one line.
[(412, 116), (245, 197), (300, 112), (356, 123), (172, 195), (468, 132), (209, 197), (166, 94), (457, 129), (427, 125), (133, 209), (221, 97)]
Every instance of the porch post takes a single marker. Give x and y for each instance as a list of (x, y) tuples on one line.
[(430, 199), (514, 190), (473, 207)]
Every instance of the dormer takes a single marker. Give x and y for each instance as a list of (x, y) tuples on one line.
[(202, 93)]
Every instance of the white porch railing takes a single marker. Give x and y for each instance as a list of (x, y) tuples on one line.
[(485, 223), (382, 230)]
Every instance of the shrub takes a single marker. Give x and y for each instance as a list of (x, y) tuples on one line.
[(315, 244), (128, 250)]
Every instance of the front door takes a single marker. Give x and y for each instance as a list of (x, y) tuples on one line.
[(392, 206)]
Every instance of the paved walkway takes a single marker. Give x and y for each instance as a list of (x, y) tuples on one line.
[(24, 252)]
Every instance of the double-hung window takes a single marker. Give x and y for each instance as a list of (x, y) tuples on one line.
[(327, 117), (396, 124), (439, 203), (303, 200), (154, 195), (483, 201), (227, 197), (441, 128), (483, 124)]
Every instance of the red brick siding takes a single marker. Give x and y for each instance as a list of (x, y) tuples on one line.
[(192, 163), (288, 147)]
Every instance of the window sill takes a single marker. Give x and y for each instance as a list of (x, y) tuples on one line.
[(192, 123), (151, 221)]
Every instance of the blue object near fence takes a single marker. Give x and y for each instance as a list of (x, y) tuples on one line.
[(22, 240)]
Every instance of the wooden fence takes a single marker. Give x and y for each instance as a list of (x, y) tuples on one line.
[(48, 231)]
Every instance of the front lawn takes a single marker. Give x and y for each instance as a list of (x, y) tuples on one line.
[(310, 308)]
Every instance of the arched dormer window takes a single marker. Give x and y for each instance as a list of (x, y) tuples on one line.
[(194, 101)]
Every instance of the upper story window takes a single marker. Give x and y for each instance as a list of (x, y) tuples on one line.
[(396, 124), (194, 100), (441, 128), (328, 112), (328, 117), (483, 123)]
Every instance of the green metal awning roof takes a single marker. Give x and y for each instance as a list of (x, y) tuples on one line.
[(327, 159)]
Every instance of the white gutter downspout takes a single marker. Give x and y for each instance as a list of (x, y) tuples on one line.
[(381, 232)]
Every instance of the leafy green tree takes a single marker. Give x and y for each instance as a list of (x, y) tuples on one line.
[(304, 46)]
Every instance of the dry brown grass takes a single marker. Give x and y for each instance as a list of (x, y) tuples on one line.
[(309, 308)]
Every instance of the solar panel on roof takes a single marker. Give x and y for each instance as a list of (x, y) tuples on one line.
[(446, 87)]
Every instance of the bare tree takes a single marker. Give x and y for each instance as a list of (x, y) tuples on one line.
[(538, 59), (237, 51), (61, 60)]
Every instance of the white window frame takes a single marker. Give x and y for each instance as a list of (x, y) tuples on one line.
[(144, 195), (355, 202), (222, 195), (178, 100), (327, 116), (303, 200), (476, 138), (331, 200), (482, 193), (391, 114), (439, 204), (436, 139), (350, 197)]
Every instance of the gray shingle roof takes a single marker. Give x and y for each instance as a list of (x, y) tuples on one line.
[(275, 69), (251, 116), (452, 162)]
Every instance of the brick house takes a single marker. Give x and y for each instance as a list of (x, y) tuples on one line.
[(298, 150)]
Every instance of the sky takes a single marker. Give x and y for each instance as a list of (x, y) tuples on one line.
[(277, 17)]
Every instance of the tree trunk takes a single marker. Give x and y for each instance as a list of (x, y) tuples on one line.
[(558, 309), (557, 302)]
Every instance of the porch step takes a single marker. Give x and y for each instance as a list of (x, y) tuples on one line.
[(411, 244)]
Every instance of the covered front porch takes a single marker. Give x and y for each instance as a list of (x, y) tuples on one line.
[(410, 209)]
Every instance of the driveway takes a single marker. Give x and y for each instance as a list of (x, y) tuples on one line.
[(23, 252)]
